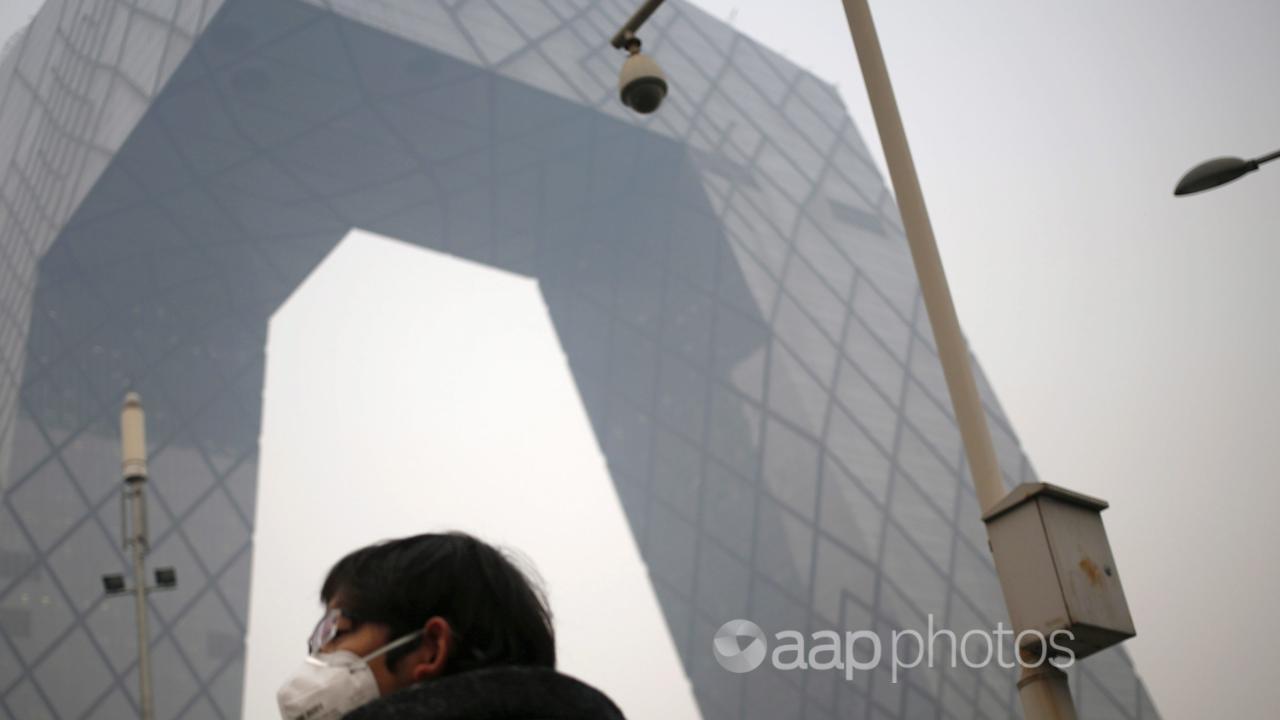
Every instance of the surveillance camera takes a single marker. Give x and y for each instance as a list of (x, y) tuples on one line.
[(641, 84)]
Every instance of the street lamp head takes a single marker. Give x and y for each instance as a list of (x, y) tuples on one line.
[(641, 84), (1212, 173)]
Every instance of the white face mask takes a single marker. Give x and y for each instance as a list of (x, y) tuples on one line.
[(330, 685)]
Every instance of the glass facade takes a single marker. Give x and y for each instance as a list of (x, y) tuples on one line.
[(728, 278)]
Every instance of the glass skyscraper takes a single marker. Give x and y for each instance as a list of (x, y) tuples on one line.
[(728, 278)]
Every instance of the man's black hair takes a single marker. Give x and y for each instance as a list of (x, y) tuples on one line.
[(497, 615)]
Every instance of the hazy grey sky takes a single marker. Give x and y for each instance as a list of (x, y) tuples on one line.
[(1130, 335)]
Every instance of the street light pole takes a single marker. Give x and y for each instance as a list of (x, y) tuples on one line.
[(134, 465), (952, 349), (1042, 689)]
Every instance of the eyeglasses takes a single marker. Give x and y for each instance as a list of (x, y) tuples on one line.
[(326, 630)]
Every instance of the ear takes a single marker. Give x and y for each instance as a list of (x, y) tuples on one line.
[(434, 651)]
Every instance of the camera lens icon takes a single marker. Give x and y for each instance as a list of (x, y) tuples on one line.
[(740, 646)]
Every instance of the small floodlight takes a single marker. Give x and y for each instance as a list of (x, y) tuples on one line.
[(166, 577), (113, 584)]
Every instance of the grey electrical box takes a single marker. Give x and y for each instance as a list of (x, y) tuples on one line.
[(1056, 569)]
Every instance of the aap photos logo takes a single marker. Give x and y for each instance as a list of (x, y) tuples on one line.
[(740, 646)]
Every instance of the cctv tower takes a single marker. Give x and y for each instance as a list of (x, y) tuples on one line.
[(728, 278)]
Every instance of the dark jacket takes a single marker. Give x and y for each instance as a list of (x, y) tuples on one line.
[(494, 693)]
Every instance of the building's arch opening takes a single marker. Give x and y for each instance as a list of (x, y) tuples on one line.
[(410, 391)]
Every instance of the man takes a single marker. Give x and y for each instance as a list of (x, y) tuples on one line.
[(434, 627)]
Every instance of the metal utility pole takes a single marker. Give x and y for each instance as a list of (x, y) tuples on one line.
[(133, 441), (133, 447), (1043, 689)]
